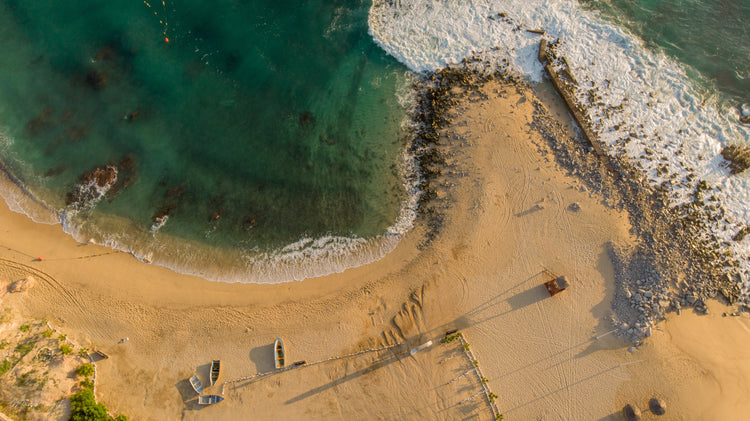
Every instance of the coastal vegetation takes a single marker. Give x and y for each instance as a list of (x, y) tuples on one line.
[(36, 364), (85, 408)]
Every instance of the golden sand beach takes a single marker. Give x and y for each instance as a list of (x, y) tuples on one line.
[(507, 212)]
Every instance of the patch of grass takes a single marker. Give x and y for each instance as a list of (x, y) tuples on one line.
[(48, 333), (5, 318), (83, 353), (25, 327), (24, 348), (3, 344), (26, 379), (5, 366), (62, 338), (66, 349)]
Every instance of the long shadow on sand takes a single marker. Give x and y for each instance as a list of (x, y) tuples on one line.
[(392, 358)]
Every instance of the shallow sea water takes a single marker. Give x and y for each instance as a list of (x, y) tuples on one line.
[(255, 127)]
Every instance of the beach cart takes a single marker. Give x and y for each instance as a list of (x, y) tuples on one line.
[(555, 284)]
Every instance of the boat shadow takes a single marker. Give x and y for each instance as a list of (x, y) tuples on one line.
[(188, 395), (262, 357)]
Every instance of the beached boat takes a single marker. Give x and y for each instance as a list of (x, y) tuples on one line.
[(278, 353), (209, 399), (197, 385), (215, 368)]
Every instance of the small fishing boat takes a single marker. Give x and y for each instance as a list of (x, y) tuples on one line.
[(209, 399), (278, 353), (197, 385), (215, 368)]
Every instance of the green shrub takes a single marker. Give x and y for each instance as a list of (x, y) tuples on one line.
[(83, 353), (4, 367), (48, 333), (85, 408), (86, 384), (3, 344), (62, 338), (66, 349), (85, 370), (451, 338), (25, 327)]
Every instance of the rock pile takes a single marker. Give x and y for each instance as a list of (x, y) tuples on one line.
[(22, 285), (738, 157)]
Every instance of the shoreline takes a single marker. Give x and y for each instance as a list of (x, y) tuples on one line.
[(505, 205)]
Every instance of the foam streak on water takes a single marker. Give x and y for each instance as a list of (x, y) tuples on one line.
[(664, 122)]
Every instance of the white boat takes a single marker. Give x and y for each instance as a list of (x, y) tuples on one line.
[(197, 385), (278, 353), (209, 399)]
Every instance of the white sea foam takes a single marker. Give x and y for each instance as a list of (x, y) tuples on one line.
[(664, 120)]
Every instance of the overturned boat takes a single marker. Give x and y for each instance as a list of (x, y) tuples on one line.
[(209, 399)]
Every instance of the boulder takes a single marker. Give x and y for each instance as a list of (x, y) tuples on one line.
[(631, 413), (22, 285), (657, 406)]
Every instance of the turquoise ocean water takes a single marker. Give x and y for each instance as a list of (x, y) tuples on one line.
[(711, 38), (250, 125)]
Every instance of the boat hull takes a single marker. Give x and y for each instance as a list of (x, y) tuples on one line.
[(278, 353), (209, 399), (197, 385), (215, 370)]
